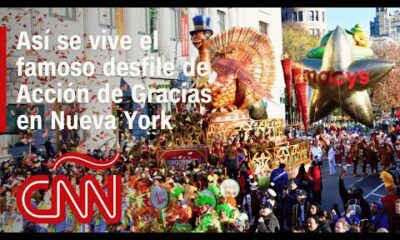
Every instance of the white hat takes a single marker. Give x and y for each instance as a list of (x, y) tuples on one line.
[(271, 192), (254, 186), (272, 184), (157, 177)]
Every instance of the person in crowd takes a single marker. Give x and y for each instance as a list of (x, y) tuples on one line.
[(334, 215), (353, 212), (267, 222), (314, 210), (231, 162), (331, 160), (378, 219), (357, 157), (364, 161), (300, 210), (251, 206), (339, 153), (324, 222), (342, 226), (372, 157), (313, 225), (391, 197), (354, 193), (316, 151), (286, 203), (279, 177), (316, 174), (395, 224), (304, 180), (386, 155)]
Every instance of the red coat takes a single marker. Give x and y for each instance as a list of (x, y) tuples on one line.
[(389, 205), (317, 183)]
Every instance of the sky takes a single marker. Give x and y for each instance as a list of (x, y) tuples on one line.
[(348, 17)]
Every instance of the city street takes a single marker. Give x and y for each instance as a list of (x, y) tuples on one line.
[(372, 185)]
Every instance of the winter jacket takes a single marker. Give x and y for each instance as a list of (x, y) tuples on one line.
[(345, 196), (325, 227), (296, 214), (380, 220), (270, 225), (315, 173), (280, 178)]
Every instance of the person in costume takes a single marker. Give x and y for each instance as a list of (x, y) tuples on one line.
[(217, 152), (180, 213), (389, 200), (224, 213), (372, 157), (207, 219), (98, 225), (331, 159), (386, 154), (12, 220), (45, 204)]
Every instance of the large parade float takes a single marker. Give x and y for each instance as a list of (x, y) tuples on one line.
[(242, 76)]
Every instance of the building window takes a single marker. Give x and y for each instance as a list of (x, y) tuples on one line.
[(199, 11), (66, 13), (300, 16), (107, 17), (311, 16), (176, 24), (323, 16), (294, 16), (317, 32), (221, 20), (263, 27), (316, 16)]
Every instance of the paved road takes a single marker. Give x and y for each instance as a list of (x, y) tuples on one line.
[(372, 186)]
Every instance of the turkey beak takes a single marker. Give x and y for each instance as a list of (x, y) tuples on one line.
[(197, 43)]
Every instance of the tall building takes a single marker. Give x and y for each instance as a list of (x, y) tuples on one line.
[(312, 19), (386, 24), (135, 22)]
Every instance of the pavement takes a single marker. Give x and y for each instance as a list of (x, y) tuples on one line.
[(372, 185)]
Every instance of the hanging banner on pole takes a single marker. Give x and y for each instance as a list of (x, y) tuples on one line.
[(184, 32)]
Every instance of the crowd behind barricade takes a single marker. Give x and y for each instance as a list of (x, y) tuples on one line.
[(280, 205)]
